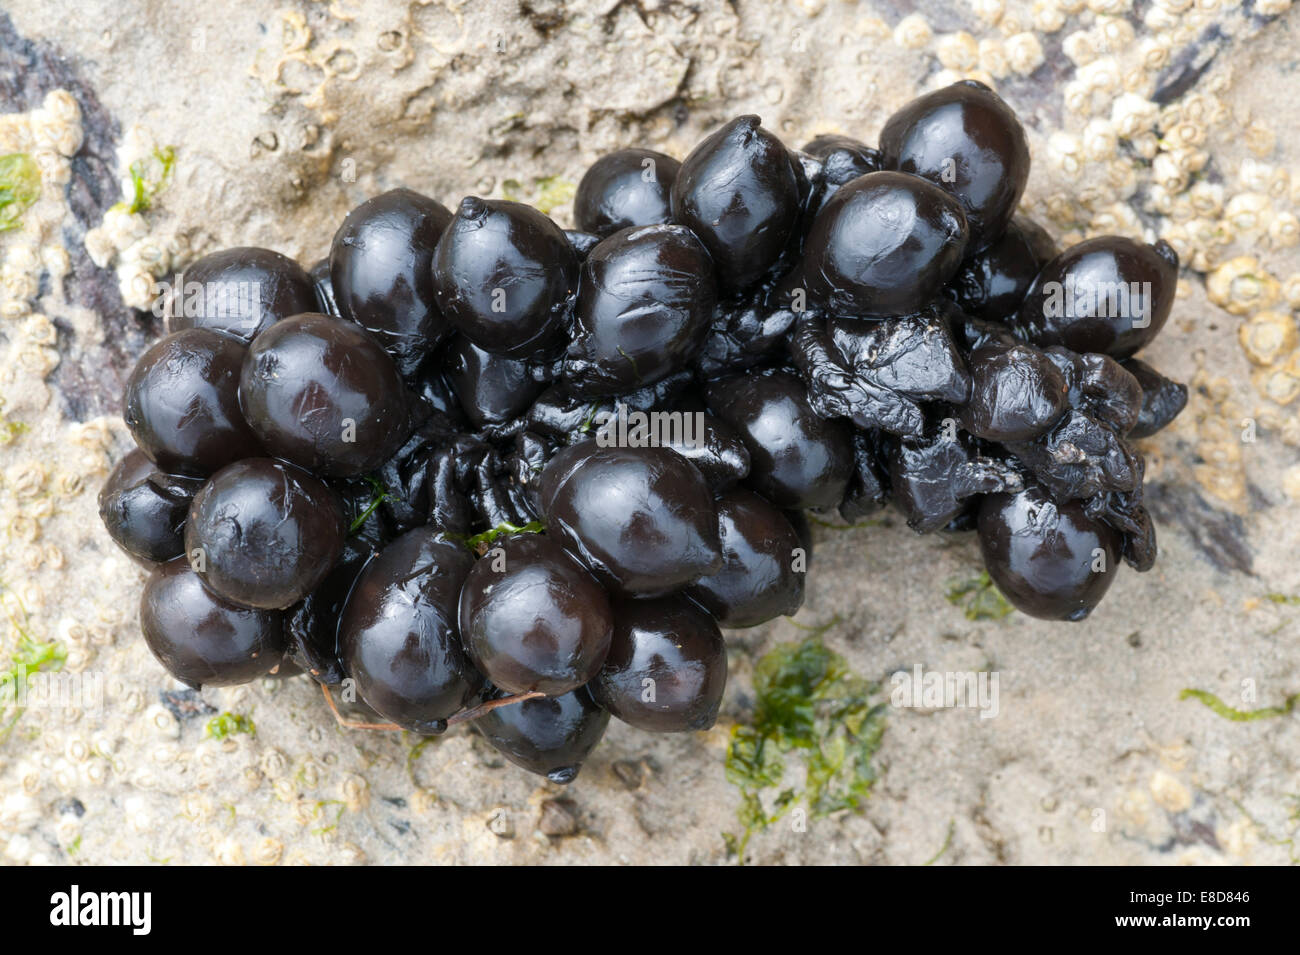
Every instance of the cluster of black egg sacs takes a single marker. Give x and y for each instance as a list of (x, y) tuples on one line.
[(833, 328)]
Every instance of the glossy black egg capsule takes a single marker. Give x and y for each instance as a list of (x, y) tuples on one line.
[(645, 299), (380, 273), (641, 518), (992, 283), (968, 142), (262, 533), (629, 187), (551, 736), (491, 389), (842, 159), (1017, 393), (532, 619), (326, 302), (581, 242), (144, 509), (1109, 295), (739, 191), (201, 639), (667, 666), (240, 291), (884, 244), (797, 459), (503, 274), (398, 634), (182, 403), (764, 564), (322, 393), (1048, 558)]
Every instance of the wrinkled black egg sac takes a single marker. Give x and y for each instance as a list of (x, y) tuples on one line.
[(182, 403), (667, 666), (645, 299), (1162, 399), (201, 639), (1109, 295), (262, 533), (551, 736), (884, 244), (641, 518), (240, 291), (992, 283), (797, 459), (1100, 387), (311, 626), (932, 478), (321, 392), (380, 272), (398, 634), (764, 564), (532, 618), (144, 509), (503, 274), (630, 187), (914, 355), (491, 389), (968, 142), (739, 191), (1050, 559), (1017, 393)]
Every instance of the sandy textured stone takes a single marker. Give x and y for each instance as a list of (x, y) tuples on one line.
[(282, 116)]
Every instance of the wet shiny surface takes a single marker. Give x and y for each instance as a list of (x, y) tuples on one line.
[(503, 273), (201, 639), (491, 389), (532, 619), (667, 666), (1017, 393), (550, 736), (262, 533), (739, 192), (760, 552), (645, 299), (379, 270), (628, 187), (992, 283), (1041, 554), (398, 635), (311, 626), (1109, 295), (642, 518), (241, 292), (182, 403), (144, 509), (842, 159), (322, 393), (967, 141), (797, 459), (883, 245)]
